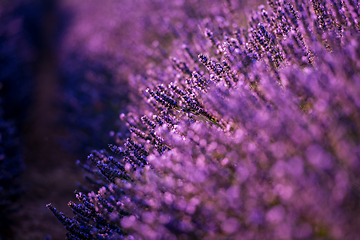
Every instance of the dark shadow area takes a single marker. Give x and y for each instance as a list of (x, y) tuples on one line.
[(55, 107)]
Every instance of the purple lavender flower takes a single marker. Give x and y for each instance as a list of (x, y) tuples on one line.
[(258, 138)]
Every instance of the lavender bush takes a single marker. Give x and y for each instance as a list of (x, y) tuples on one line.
[(248, 133), (11, 168), (16, 86)]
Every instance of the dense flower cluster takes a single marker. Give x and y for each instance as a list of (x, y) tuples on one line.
[(248, 134)]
